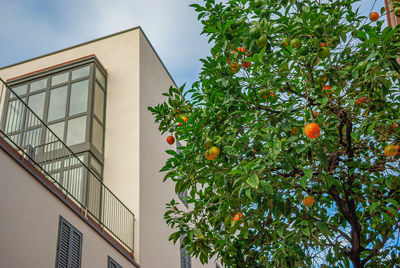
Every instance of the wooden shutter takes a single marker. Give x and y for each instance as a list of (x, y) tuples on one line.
[(69, 246), (112, 263)]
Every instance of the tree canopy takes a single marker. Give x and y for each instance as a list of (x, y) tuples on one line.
[(290, 147)]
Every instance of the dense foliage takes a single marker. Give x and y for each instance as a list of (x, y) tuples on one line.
[(261, 192)]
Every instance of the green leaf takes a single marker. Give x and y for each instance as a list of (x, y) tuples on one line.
[(248, 193), (253, 181), (323, 227), (267, 187), (306, 231), (322, 158)]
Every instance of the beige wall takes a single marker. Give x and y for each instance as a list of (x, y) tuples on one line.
[(29, 224), (156, 250)]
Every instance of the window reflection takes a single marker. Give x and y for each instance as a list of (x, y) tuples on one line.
[(57, 103), (98, 109), (81, 72), (76, 131), (59, 79), (38, 85), (79, 97)]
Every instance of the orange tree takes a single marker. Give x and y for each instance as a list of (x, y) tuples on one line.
[(271, 192)]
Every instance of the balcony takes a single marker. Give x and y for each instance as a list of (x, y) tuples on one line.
[(67, 171)]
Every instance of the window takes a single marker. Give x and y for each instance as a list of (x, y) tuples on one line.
[(70, 99), (69, 249), (186, 261), (112, 263)]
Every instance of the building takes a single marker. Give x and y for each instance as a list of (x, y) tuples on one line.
[(80, 159), (391, 17)]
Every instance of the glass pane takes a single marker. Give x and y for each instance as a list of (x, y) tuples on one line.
[(81, 72), (95, 165), (98, 102), (76, 130), (94, 192), (73, 161), (79, 97), (36, 103), (101, 78), (15, 115), (97, 136), (32, 137), (20, 90), (74, 183), (38, 85), (60, 78), (57, 103), (58, 129)]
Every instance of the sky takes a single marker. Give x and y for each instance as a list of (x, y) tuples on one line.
[(33, 28)]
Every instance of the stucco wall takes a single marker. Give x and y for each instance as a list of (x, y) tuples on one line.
[(156, 250), (29, 224)]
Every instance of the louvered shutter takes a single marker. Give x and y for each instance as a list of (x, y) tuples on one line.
[(75, 249), (63, 245), (69, 246), (112, 263)]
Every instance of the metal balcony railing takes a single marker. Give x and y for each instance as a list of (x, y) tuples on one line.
[(30, 136)]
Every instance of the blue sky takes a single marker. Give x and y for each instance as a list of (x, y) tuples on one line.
[(35, 27)]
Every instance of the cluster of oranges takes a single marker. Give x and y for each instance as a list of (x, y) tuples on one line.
[(234, 66), (171, 139)]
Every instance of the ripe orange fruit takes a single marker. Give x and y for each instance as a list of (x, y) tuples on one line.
[(308, 201), (312, 130), (246, 64), (238, 216), (316, 114), (210, 157), (170, 140), (390, 213), (241, 49), (394, 126), (234, 68), (214, 151), (328, 90), (361, 101), (374, 16), (294, 130), (184, 118), (391, 150)]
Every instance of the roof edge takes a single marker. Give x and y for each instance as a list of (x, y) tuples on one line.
[(155, 52), (74, 46)]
